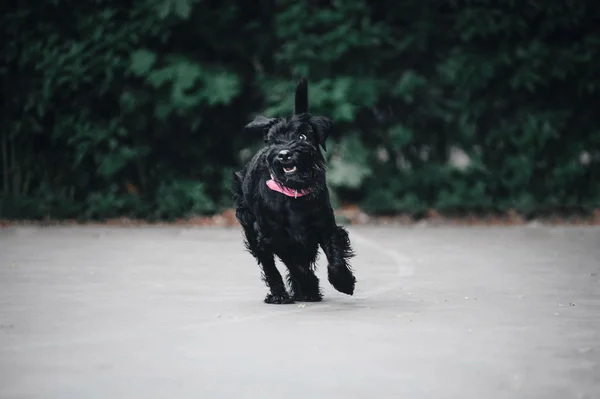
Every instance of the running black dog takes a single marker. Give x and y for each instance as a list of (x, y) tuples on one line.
[(283, 205)]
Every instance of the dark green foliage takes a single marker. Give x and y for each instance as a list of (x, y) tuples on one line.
[(136, 108)]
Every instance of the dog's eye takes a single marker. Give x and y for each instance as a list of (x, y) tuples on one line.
[(302, 137)]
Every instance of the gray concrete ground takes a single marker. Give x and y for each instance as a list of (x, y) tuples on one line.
[(178, 313)]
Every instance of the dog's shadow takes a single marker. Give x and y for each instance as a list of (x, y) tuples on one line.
[(390, 305)]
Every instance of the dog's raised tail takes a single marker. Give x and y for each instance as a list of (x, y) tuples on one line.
[(301, 101)]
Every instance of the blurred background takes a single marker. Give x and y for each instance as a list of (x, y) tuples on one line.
[(135, 109)]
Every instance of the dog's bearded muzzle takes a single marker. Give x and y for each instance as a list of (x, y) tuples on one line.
[(296, 165)]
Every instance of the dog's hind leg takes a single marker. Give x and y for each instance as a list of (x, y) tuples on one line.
[(301, 277), (337, 248)]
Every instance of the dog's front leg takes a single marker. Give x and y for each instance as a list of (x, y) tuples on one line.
[(266, 260), (336, 246), (273, 279)]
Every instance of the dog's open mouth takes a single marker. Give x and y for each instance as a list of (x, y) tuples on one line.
[(289, 169)]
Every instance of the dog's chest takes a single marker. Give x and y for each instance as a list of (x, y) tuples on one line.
[(293, 221)]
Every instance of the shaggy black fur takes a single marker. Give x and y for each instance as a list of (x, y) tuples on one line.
[(292, 228)]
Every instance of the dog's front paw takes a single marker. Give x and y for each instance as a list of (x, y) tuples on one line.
[(307, 297), (278, 299), (342, 280)]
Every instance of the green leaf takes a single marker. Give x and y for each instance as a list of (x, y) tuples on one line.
[(349, 167), (115, 161), (142, 61), (183, 8), (400, 136)]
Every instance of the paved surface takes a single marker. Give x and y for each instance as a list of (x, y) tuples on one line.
[(177, 313)]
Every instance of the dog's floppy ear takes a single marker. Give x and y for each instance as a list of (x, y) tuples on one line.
[(301, 100), (260, 123), (321, 125)]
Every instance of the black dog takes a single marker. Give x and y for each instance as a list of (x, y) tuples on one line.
[(283, 205)]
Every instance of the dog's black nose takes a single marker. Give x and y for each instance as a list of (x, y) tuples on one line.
[(284, 155)]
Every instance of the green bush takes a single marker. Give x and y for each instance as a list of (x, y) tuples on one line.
[(136, 109)]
